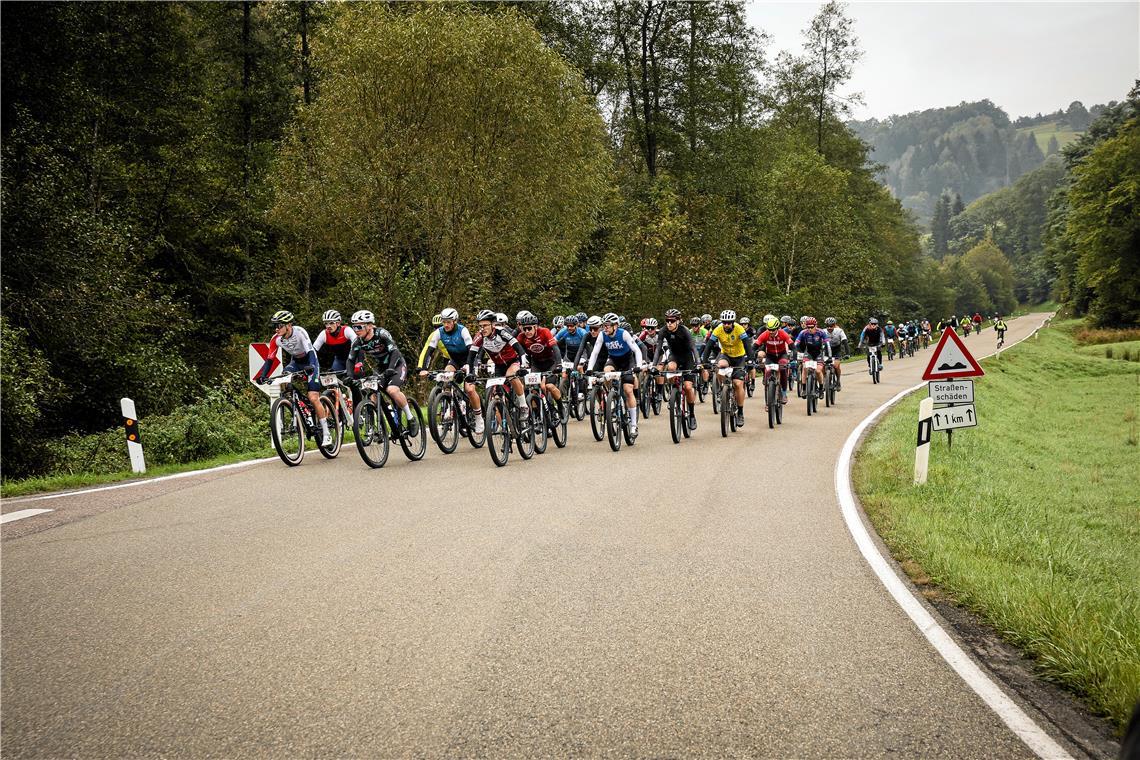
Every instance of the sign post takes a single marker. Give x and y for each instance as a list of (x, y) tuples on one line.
[(950, 363), (922, 451), (134, 442)]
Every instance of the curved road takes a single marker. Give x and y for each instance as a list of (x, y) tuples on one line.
[(701, 599)]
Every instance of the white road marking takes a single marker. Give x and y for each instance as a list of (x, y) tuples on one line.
[(1013, 716), (114, 486), (20, 515)]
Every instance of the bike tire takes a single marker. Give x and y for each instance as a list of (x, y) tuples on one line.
[(702, 389), (335, 430), (656, 399), (443, 420), (497, 431), (726, 413), (597, 414), (714, 391), (539, 422), (613, 420), (414, 442), (561, 430), (287, 431), (686, 430), (524, 434), (771, 400), (809, 392), (675, 423), (371, 434)]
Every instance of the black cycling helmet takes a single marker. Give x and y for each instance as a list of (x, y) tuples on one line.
[(528, 319), (694, 321), (486, 316), (571, 319), (672, 314)]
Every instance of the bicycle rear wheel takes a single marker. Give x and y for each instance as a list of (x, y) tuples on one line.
[(675, 421), (443, 420), (371, 434), (524, 431), (613, 419), (413, 439), (598, 414), (287, 430), (497, 431), (336, 433), (539, 422)]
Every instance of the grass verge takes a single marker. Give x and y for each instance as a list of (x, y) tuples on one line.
[(1032, 519)]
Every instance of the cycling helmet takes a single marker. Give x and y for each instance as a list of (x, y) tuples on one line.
[(449, 313), (673, 314), (812, 322), (332, 315), (581, 317), (830, 321), (571, 319), (727, 316), (486, 316), (745, 321), (501, 318), (772, 323), (651, 323), (874, 321), (889, 322), (559, 321), (787, 319), (594, 321), (521, 315), (766, 318), (695, 321), (706, 317), (610, 318), (626, 326), (803, 320), (282, 317), (528, 319), (437, 320), (363, 317)]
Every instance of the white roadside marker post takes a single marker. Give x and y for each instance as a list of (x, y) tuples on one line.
[(922, 451), (134, 442)]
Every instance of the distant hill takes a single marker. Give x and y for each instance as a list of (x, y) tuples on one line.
[(970, 149)]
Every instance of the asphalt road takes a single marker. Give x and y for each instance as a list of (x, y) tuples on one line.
[(702, 599)]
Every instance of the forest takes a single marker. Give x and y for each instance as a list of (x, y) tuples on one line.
[(175, 172)]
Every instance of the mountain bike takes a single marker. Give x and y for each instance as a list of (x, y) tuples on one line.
[(574, 391), (794, 374), (596, 404), (679, 409), (506, 426), (340, 397), (773, 404), (547, 419), (925, 340), (714, 388), (292, 420), (890, 349), (830, 381), (728, 405), (377, 421), (1000, 338), (618, 422), (811, 386), (449, 415), (874, 363)]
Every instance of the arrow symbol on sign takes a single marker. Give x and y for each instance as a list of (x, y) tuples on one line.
[(938, 419), (970, 415)]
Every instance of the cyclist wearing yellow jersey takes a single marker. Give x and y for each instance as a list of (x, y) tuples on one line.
[(734, 349)]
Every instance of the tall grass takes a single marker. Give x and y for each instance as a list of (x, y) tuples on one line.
[(1032, 519)]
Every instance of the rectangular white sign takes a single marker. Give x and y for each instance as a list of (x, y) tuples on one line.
[(951, 391), (953, 417)]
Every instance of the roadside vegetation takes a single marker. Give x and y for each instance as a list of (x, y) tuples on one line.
[(1031, 519)]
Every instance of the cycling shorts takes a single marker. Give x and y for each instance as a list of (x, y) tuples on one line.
[(501, 369), (396, 374), (733, 361), (623, 363), (544, 367)]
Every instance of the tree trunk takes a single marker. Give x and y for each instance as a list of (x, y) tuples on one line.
[(246, 99), (305, 49)]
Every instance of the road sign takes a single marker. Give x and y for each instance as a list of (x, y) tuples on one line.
[(258, 353), (954, 417), (951, 391), (951, 359)]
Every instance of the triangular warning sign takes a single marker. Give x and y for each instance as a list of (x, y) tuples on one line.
[(951, 359)]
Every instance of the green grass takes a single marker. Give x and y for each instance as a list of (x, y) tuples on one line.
[(1032, 519), (1042, 133), (1128, 351)]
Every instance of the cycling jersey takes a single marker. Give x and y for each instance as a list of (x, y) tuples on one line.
[(500, 345), (299, 350), (837, 338), (380, 349), (617, 345), (541, 347), (679, 345), (297, 344), (650, 341), (889, 330), (872, 335), (731, 342), (332, 348), (814, 342), (1000, 325), (774, 342), (570, 340)]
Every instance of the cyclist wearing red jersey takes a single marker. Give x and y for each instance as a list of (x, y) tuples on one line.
[(506, 353), (545, 356), (774, 342)]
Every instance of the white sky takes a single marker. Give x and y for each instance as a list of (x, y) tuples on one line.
[(1024, 56)]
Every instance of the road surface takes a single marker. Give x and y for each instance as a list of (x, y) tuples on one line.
[(702, 599)]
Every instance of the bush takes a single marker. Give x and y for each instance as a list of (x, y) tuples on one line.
[(1093, 337)]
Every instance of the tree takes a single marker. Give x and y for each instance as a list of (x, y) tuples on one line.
[(832, 51), (1054, 146), (447, 147), (940, 226), (995, 273), (958, 206)]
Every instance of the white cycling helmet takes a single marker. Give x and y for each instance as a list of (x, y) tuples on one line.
[(522, 315), (449, 313), (728, 316), (610, 318), (363, 317), (501, 318), (332, 315), (486, 315), (594, 321)]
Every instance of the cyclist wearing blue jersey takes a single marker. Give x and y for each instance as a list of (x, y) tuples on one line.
[(456, 339), (624, 355), (570, 337)]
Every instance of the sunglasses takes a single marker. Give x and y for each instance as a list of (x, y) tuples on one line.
[(358, 328), (672, 321), (595, 328)]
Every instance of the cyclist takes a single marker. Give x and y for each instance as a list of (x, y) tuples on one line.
[(557, 324), (706, 323), (294, 341), (1000, 327), (677, 351), (734, 350), (872, 335), (649, 340), (334, 341), (839, 348), (977, 321), (545, 357), (775, 342), (593, 330), (925, 326), (506, 353), (570, 337), (501, 322), (623, 355), (454, 343), (890, 331), (379, 347), (816, 344), (425, 355)]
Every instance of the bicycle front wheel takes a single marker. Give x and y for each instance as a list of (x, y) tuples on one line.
[(726, 412), (561, 427), (413, 438), (613, 419), (443, 420), (598, 414), (524, 432), (498, 431), (336, 431), (371, 434), (675, 422), (287, 430), (810, 392), (539, 422)]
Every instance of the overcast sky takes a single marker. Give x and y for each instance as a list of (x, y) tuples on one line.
[(1025, 57)]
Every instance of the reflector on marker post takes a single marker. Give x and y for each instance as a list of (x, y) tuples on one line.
[(922, 450), (134, 442)]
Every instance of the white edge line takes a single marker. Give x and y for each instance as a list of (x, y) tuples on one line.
[(1018, 721), (144, 482), (12, 516)]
